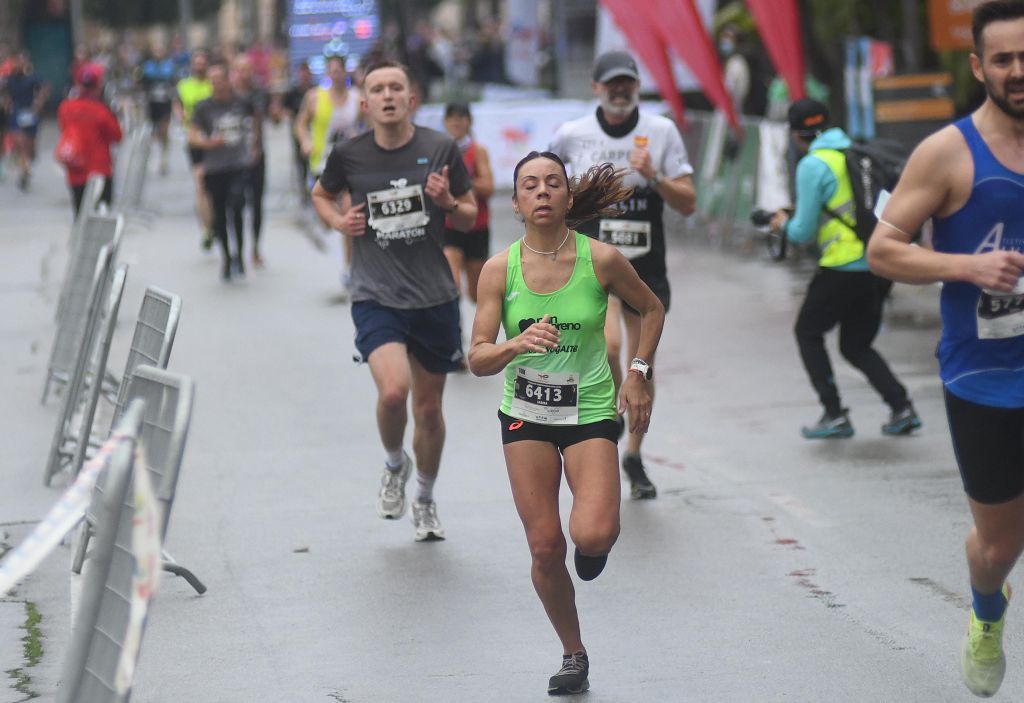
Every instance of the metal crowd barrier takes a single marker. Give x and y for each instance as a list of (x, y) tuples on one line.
[(87, 378), (168, 398), (736, 174), (129, 197), (96, 230), (100, 230), (153, 338), (90, 202), (101, 624)]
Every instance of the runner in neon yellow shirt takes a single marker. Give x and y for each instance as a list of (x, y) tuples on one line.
[(191, 90)]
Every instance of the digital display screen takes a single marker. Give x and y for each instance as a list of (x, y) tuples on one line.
[(319, 28)]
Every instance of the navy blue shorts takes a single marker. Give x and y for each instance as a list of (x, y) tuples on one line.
[(432, 335)]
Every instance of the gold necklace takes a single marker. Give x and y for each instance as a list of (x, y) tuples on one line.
[(554, 252)]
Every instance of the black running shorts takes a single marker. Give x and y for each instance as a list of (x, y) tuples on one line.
[(659, 286), (475, 244), (562, 436), (989, 447)]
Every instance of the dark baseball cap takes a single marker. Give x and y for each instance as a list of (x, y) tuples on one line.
[(613, 64), (807, 116)]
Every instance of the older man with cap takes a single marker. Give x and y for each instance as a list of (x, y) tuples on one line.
[(843, 292), (649, 146), (88, 128)]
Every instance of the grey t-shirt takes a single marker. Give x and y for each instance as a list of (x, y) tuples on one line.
[(230, 119), (400, 261)]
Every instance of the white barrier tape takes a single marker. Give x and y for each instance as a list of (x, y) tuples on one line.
[(61, 519), (147, 549)]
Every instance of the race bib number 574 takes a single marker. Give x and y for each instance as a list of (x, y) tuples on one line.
[(1001, 315)]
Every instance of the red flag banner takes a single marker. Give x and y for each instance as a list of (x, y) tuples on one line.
[(650, 48), (680, 25), (779, 24)]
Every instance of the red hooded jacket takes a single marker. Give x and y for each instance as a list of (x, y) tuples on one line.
[(99, 129)]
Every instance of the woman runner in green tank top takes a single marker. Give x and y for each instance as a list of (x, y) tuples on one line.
[(550, 291)]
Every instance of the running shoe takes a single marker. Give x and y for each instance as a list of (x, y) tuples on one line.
[(391, 500), (237, 267), (425, 520), (984, 663), (903, 422), (640, 487), (588, 568), (829, 426), (572, 677), (207, 241)]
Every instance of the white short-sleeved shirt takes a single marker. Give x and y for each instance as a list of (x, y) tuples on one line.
[(639, 231)]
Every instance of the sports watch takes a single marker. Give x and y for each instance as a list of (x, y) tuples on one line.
[(641, 368)]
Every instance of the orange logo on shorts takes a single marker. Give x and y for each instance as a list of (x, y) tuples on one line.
[(516, 425)]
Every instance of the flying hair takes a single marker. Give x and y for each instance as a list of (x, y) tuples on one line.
[(596, 193)]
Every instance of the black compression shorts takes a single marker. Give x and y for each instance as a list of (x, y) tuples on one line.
[(475, 244), (562, 436), (989, 447), (659, 286)]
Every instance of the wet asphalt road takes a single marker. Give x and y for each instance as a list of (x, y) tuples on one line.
[(768, 569)]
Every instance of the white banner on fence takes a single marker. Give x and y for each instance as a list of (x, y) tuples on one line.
[(147, 549), (772, 169), (523, 42), (61, 519), (510, 130)]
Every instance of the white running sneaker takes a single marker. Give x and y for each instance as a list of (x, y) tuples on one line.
[(391, 499), (425, 520)]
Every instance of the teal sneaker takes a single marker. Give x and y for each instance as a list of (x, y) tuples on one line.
[(903, 422), (984, 663), (829, 427)]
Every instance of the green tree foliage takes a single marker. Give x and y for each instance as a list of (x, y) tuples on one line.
[(136, 13)]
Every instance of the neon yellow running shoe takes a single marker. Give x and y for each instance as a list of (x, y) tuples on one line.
[(983, 662)]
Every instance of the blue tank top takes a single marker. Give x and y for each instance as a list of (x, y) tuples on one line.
[(981, 353)]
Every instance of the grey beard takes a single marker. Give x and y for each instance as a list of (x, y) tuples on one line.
[(616, 110)]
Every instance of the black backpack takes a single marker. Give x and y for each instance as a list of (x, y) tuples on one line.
[(873, 167)]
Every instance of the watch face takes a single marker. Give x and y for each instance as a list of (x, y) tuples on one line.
[(643, 367)]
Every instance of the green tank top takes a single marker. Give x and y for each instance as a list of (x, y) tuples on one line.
[(570, 385)]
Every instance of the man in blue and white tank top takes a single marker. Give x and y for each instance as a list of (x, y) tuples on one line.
[(969, 178)]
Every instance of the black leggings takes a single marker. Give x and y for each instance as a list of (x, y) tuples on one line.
[(853, 300), (257, 176), (227, 191)]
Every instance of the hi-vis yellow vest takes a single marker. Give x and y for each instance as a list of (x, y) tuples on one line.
[(837, 240), (321, 123)]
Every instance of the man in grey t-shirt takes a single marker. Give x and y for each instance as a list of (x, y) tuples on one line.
[(401, 180), (220, 127)]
